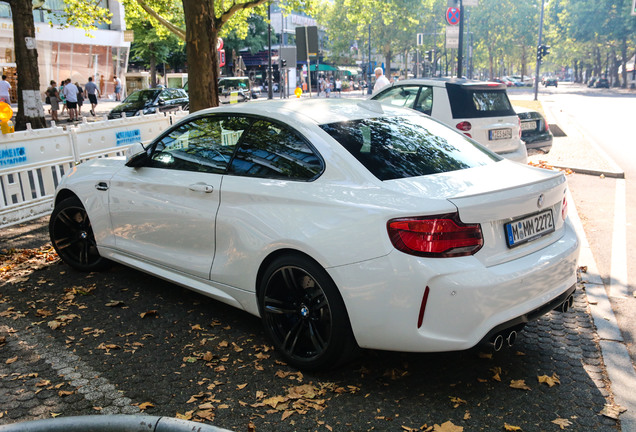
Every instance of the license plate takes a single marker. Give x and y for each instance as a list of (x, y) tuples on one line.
[(528, 125), (498, 134), (529, 228)]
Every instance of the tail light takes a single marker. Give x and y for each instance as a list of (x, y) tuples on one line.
[(464, 126), (440, 236), (519, 119), (547, 126), (564, 208)]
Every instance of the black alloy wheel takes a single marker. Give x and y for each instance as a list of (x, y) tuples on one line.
[(304, 314), (72, 236)]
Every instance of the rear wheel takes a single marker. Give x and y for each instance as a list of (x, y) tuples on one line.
[(72, 236), (304, 315)]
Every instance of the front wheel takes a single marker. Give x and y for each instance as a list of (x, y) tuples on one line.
[(304, 315), (72, 236)]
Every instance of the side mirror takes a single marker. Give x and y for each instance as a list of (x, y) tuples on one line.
[(161, 102), (136, 155)]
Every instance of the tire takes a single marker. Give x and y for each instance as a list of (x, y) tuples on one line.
[(304, 315), (72, 236)]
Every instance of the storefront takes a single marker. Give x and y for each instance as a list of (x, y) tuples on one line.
[(70, 53)]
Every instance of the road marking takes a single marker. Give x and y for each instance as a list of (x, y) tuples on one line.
[(618, 271)]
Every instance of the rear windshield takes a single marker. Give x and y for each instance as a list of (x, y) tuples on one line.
[(470, 102), (402, 147)]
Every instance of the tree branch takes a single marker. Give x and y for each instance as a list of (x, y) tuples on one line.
[(236, 7), (179, 32)]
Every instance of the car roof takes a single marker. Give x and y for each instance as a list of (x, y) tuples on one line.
[(442, 82), (316, 111)]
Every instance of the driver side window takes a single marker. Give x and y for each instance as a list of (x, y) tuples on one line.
[(205, 144), (400, 96)]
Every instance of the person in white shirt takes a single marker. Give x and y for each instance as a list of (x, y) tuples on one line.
[(70, 91), (5, 87), (380, 80)]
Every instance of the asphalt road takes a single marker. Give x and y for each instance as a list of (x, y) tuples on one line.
[(122, 341)]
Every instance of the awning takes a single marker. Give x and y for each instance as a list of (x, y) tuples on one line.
[(348, 70), (323, 68)]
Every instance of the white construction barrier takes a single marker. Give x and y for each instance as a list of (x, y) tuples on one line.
[(113, 137), (33, 162)]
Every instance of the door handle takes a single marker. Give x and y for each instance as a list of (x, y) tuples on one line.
[(102, 186), (201, 187)]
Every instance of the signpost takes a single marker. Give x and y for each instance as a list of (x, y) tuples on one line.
[(452, 37), (452, 16)]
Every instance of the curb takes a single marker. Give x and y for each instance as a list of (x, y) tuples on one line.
[(612, 174), (617, 361)]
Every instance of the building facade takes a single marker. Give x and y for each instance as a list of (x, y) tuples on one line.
[(69, 52)]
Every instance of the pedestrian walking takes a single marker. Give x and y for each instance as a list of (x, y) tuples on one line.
[(80, 99), (339, 87), (53, 96), (102, 85), (327, 87), (92, 92), (70, 91), (117, 89), (62, 96), (5, 87)]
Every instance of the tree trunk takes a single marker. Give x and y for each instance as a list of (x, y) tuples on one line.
[(30, 108), (624, 61), (201, 40), (153, 69)]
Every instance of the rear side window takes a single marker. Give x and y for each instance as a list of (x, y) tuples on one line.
[(477, 102), (270, 150), (402, 147)]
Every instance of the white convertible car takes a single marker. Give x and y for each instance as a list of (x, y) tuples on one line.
[(341, 223)]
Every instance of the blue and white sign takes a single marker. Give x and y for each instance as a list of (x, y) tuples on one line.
[(12, 156), (128, 137), (452, 15)]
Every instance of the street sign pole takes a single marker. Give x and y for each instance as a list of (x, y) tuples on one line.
[(460, 52), (536, 78)]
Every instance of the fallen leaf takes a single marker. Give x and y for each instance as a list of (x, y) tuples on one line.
[(148, 313), (11, 360), (286, 414), (519, 384), (115, 303), (511, 428), (447, 427), (43, 383), (485, 356), (186, 416), (612, 411), (241, 386), (457, 401), (562, 423), (63, 393), (146, 405), (206, 406), (497, 373), (551, 381)]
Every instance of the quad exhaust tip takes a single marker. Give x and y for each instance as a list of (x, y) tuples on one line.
[(508, 339), (566, 305)]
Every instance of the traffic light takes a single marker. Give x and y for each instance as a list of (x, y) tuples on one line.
[(545, 50), (283, 63), (542, 51), (429, 55)]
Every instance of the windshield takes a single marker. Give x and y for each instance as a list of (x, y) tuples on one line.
[(402, 147), (143, 96)]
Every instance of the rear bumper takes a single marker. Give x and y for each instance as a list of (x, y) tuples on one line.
[(520, 154), (539, 141), (466, 302)]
